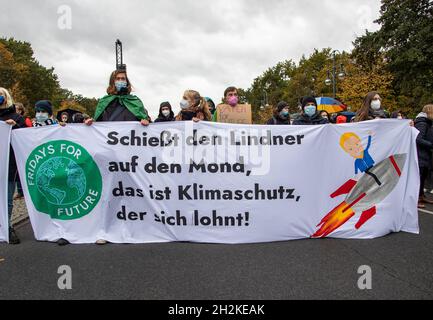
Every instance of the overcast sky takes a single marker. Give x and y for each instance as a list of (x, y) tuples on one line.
[(171, 46)]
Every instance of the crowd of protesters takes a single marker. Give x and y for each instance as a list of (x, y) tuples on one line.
[(120, 105)]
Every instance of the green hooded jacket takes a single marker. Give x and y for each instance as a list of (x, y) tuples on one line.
[(131, 102)]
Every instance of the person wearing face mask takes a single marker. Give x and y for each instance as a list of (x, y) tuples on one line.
[(231, 111), (281, 114), (119, 104), (371, 108), (44, 117), (193, 107), (324, 114), (424, 145), (310, 115), (9, 115), (44, 114), (165, 113), (211, 105)]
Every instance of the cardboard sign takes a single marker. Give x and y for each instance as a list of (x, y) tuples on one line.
[(240, 114)]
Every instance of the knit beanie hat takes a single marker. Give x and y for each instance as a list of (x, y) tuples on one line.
[(44, 106), (281, 105), (306, 100)]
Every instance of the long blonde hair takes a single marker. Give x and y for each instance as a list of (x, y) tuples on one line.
[(428, 109), (200, 104), (8, 99)]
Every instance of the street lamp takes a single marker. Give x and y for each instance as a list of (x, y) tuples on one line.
[(265, 103), (332, 77)]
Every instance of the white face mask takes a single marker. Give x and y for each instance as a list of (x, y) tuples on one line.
[(42, 116), (184, 104), (375, 105), (165, 113)]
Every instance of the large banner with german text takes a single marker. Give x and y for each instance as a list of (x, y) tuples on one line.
[(218, 183)]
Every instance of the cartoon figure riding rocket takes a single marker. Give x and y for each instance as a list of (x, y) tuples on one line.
[(374, 185)]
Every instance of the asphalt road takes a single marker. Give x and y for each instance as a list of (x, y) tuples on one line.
[(401, 264)]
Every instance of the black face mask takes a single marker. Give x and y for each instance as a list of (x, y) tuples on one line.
[(188, 115)]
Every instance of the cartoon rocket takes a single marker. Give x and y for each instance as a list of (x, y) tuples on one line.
[(363, 195)]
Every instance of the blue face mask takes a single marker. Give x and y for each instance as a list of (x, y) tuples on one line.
[(284, 114), (121, 85), (310, 110), (2, 100)]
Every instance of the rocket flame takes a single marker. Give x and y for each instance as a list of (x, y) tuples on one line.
[(333, 220)]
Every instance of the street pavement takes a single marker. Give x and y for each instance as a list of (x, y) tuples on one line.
[(401, 264)]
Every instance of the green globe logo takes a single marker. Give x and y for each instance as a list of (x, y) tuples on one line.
[(63, 180), (49, 180)]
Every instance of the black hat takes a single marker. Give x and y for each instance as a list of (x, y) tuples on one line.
[(306, 100), (44, 105), (165, 104), (281, 105)]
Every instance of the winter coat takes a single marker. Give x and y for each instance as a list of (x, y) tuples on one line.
[(161, 117), (278, 121), (424, 141), (303, 119)]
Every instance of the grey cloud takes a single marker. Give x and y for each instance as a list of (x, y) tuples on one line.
[(170, 46)]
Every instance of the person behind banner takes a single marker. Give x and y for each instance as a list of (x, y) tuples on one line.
[(193, 107), (281, 114), (44, 114), (211, 105), (78, 117), (65, 117), (44, 117), (424, 144), (9, 115), (310, 114), (399, 115), (166, 113), (231, 111), (371, 108), (21, 110), (341, 119), (119, 104), (324, 114)]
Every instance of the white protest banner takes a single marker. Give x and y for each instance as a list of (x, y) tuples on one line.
[(218, 183), (5, 133)]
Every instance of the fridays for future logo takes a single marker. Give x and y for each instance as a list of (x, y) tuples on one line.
[(63, 180)]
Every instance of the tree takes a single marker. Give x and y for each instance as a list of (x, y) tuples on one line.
[(269, 88), (359, 81), (405, 39), (29, 81)]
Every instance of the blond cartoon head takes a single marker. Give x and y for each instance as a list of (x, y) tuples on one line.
[(351, 143)]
